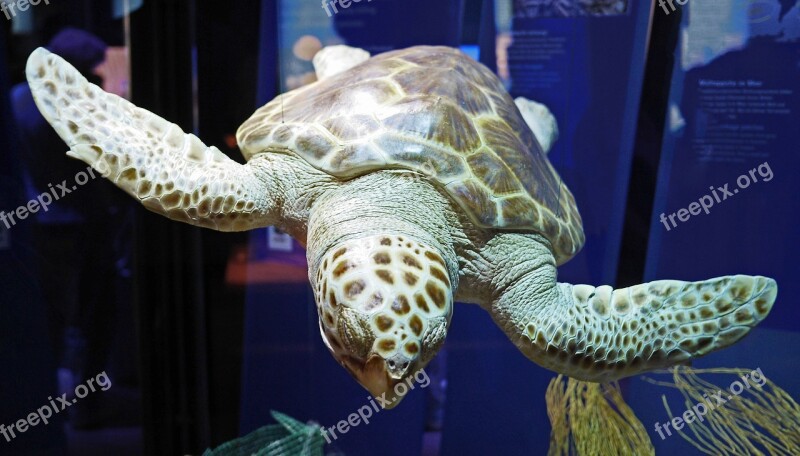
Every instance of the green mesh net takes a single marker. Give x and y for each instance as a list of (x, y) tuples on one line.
[(287, 438)]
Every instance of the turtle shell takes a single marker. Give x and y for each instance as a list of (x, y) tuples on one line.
[(435, 111)]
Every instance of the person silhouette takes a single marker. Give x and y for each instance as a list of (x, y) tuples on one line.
[(75, 238)]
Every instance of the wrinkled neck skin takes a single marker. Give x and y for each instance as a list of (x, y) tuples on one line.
[(294, 186), (483, 265)]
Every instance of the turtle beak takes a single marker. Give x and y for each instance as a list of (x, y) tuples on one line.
[(380, 377)]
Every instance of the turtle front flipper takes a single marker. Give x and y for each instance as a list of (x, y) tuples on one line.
[(602, 334), (171, 172)]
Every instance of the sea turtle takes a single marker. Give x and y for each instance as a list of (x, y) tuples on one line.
[(414, 182)]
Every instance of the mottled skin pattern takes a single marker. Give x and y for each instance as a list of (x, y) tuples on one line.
[(396, 302), (392, 243)]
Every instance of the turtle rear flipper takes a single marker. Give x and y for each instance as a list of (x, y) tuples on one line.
[(540, 120), (333, 60), (171, 172)]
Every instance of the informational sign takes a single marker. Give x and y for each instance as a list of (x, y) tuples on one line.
[(585, 61), (375, 26), (726, 201), (278, 241)]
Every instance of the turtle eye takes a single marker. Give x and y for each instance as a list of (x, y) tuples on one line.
[(356, 332)]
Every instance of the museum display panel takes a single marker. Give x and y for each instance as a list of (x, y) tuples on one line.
[(385, 227), (730, 134)]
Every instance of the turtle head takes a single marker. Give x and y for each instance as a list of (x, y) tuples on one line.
[(382, 321), (378, 378), (384, 362)]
